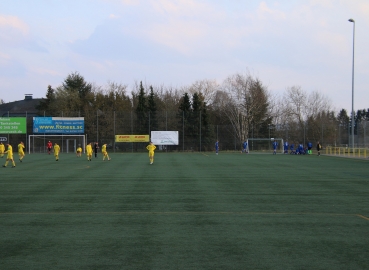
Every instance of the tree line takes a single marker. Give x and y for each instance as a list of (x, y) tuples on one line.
[(239, 108)]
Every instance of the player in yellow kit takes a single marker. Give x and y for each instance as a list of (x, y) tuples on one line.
[(104, 152), (2, 149), (89, 151), (9, 156), (21, 151), (56, 151), (79, 151), (151, 149)]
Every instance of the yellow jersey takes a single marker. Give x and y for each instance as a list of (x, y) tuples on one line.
[(2, 148), (103, 149), (88, 148), (151, 147), (79, 150), (20, 147), (56, 148), (10, 151)]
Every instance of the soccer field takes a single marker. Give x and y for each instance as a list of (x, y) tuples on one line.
[(186, 211)]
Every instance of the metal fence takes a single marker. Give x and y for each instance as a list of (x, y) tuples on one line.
[(101, 127), (195, 132)]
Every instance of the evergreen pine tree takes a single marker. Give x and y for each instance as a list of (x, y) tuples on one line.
[(184, 116), (141, 112), (151, 106), (76, 83), (195, 117), (45, 105)]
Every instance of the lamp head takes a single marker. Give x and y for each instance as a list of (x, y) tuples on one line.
[(351, 20)]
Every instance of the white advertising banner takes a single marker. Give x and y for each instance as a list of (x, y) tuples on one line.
[(164, 137)]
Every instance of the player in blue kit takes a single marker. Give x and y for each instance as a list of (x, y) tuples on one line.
[(244, 147), (292, 149), (301, 149), (275, 145), (285, 147), (216, 147)]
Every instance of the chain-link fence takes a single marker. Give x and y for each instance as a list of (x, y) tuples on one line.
[(196, 131)]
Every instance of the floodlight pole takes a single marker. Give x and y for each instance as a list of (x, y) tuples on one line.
[(353, 69)]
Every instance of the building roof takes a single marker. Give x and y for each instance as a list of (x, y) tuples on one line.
[(20, 107)]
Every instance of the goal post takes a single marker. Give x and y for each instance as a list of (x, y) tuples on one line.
[(67, 143), (264, 144)]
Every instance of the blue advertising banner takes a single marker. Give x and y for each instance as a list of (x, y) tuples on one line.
[(59, 125)]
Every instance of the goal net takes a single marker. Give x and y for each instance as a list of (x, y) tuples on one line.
[(262, 144), (67, 143)]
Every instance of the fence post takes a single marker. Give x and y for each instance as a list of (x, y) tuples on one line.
[(26, 130), (200, 131), (62, 137), (322, 134), (114, 131)]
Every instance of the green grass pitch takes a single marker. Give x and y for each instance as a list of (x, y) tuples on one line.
[(186, 211)]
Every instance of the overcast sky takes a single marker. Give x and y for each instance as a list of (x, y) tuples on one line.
[(305, 43)]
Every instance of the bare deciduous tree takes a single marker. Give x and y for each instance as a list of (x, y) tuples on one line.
[(207, 88), (303, 114), (245, 103)]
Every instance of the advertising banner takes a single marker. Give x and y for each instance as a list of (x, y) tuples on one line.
[(164, 137), (132, 138), (12, 125), (59, 125)]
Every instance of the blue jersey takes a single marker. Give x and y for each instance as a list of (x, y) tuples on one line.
[(310, 145), (245, 145), (275, 144), (292, 147), (216, 146), (286, 146)]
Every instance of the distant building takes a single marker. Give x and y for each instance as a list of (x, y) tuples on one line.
[(20, 108)]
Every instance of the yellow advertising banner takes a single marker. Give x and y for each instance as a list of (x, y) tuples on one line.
[(132, 138)]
